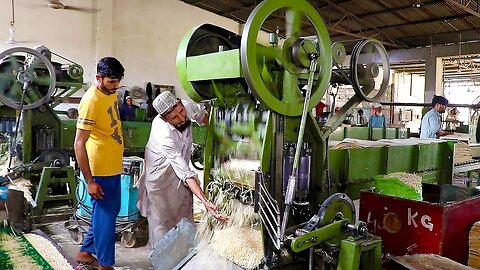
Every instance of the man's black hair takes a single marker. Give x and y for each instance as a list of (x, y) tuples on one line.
[(439, 100), (110, 67)]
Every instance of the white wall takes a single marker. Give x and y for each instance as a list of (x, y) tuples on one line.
[(65, 32), (143, 34)]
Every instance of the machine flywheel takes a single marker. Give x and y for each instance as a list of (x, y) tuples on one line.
[(25, 74), (289, 61)]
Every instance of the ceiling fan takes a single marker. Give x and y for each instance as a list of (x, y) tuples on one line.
[(57, 4)]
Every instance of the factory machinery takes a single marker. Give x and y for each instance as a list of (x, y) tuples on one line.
[(40, 138), (262, 95), (31, 86)]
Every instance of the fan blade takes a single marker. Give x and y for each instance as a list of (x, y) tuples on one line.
[(81, 9)]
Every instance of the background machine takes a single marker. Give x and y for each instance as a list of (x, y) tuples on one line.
[(262, 95), (37, 140), (31, 86)]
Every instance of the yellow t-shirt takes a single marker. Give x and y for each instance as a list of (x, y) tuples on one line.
[(98, 112)]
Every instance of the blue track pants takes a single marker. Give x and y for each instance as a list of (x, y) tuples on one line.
[(100, 239)]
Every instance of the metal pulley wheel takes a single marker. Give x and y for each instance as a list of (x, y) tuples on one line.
[(58, 156), (75, 71), (24, 68), (338, 53), (336, 207), (370, 70), (263, 65), (202, 40)]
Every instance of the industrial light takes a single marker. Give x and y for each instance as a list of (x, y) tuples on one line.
[(11, 39), (417, 4), (11, 29)]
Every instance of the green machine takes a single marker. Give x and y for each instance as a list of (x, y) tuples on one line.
[(31, 86), (39, 137), (261, 96)]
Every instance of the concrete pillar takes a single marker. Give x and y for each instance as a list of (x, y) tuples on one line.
[(433, 78), (433, 62), (104, 29)]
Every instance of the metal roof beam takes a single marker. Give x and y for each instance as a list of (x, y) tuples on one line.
[(392, 10), (237, 8), (465, 6), (391, 41), (344, 32), (443, 19)]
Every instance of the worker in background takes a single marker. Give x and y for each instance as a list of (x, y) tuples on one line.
[(166, 187), (452, 121), (362, 118), (377, 120), (99, 152), (432, 120), (127, 111)]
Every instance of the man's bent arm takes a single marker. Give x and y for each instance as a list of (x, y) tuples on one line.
[(81, 138)]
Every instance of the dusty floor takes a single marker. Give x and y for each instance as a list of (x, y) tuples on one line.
[(137, 258), (126, 258), (134, 258)]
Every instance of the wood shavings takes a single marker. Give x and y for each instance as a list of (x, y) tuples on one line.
[(408, 179), (48, 251), (24, 185), (239, 240), (463, 153), (238, 171), (349, 143), (242, 246), (400, 184), (474, 246), (429, 261), (14, 250)]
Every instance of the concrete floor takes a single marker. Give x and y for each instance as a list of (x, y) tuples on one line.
[(126, 258), (137, 258), (134, 258)]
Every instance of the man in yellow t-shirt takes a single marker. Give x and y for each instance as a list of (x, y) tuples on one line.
[(99, 152)]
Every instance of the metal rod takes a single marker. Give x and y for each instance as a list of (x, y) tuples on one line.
[(310, 259), (292, 180), (473, 106), (13, 12), (17, 123)]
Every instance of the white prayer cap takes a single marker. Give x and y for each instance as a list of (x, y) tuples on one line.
[(164, 102)]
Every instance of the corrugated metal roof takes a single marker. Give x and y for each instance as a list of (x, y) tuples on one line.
[(400, 24), (393, 19)]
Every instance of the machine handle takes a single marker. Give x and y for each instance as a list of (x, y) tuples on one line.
[(292, 180)]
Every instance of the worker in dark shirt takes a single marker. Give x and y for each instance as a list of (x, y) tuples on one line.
[(127, 111)]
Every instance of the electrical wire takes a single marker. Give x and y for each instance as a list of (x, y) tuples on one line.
[(122, 223)]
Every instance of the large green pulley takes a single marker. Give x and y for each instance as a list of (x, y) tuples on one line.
[(285, 99), (203, 40), (24, 69), (336, 207)]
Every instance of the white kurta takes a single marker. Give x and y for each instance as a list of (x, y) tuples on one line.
[(163, 196)]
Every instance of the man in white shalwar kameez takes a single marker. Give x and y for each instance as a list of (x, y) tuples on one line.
[(165, 191)]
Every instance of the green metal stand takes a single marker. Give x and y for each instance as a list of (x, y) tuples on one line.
[(366, 250), (55, 176)]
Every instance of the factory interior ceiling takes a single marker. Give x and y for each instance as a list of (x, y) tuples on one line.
[(397, 24)]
